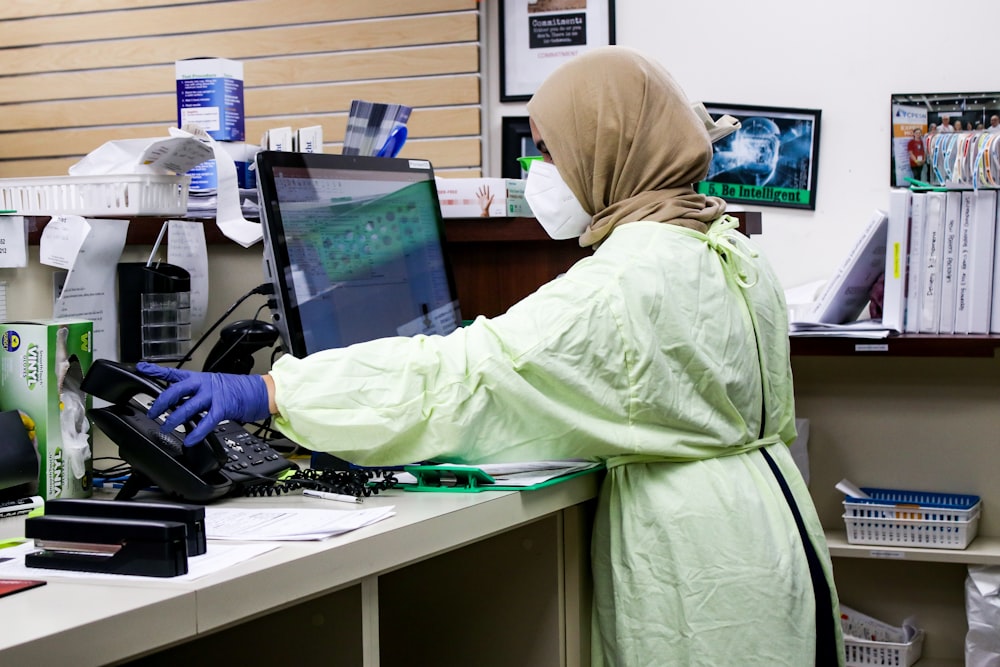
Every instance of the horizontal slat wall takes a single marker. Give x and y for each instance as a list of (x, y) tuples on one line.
[(77, 73)]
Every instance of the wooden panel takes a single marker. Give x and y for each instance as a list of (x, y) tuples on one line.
[(14, 9), (424, 123), (444, 153), (312, 68), (285, 40), (433, 91), (207, 16), (78, 74), (327, 98)]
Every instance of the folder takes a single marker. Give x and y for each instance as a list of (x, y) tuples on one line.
[(458, 478)]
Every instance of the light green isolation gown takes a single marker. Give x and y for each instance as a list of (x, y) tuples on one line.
[(643, 355)]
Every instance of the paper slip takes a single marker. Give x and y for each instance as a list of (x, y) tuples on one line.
[(858, 329), (233, 523)]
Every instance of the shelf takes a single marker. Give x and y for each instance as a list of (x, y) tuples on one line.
[(144, 230), (906, 345), (982, 551)]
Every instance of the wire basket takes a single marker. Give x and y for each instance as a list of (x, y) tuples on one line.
[(863, 652), (114, 195), (912, 518)]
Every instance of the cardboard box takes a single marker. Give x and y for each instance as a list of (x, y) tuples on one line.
[(210, 95), (278, 139), (42, 364), (309, 139), (468, 198)]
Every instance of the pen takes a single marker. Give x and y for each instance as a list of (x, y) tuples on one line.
[(20, 506), (326, 495)]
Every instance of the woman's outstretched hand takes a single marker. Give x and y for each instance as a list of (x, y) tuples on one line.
[(220, 396)]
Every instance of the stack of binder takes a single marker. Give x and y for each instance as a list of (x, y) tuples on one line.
[(941, 254)]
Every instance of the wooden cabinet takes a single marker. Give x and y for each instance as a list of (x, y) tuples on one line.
[(499, 261)]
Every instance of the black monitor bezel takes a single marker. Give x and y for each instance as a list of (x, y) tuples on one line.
[(285, 315)]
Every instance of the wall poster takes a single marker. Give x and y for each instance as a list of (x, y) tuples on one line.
[(536, 36)]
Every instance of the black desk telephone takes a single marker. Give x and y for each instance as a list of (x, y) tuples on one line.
[(228, 461)]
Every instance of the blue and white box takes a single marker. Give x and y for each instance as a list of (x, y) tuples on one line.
[(210, 95)]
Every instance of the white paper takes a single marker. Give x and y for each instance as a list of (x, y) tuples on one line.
[(228, 211), (178, 154), (217, 558), (858, 329), (849, 488), (61, 240), (186, 248), (230, 523), (13, 242), (89, 289)]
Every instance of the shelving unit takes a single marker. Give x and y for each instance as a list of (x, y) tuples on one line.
[(921, 413)]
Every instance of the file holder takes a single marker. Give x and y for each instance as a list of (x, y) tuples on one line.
[(460, 479), (466, 479)]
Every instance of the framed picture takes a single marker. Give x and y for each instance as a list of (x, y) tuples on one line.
[(515, 142), (770, 161), (536, 36), (921, 121)]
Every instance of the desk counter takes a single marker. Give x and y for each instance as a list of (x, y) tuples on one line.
[(102, 622)]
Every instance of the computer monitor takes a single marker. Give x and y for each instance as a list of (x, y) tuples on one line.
[(354, 248)]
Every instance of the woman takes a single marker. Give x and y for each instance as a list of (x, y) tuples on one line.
[(665, 354)]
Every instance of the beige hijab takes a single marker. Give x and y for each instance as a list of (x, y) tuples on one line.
[(624, 138)]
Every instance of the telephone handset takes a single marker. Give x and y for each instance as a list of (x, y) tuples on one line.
[(227, 461)]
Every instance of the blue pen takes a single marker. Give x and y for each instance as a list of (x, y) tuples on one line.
[(394, 143)]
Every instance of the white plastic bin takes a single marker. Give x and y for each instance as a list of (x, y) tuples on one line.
[(113, 195)]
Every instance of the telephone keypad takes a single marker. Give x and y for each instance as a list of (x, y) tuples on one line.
[(247, 458)]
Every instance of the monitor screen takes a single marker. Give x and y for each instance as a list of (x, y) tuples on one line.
[(353, 246)]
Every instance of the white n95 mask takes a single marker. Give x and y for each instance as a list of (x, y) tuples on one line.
[(554, 205)]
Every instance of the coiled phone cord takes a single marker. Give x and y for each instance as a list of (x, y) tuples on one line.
[(359, 483)]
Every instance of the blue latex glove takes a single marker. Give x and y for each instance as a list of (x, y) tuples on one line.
[(242, 398)]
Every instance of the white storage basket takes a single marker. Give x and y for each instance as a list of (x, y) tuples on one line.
[(113, 195), (912, 518), (862, 652)]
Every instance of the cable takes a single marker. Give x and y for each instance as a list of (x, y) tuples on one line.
[(355, 482), (263, 288)]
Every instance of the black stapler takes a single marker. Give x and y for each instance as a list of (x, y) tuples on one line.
[(192, 516), (113, 546)]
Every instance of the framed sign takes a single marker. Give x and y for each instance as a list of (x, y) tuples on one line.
[(536, 36), (515, 142), (770, 161)]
